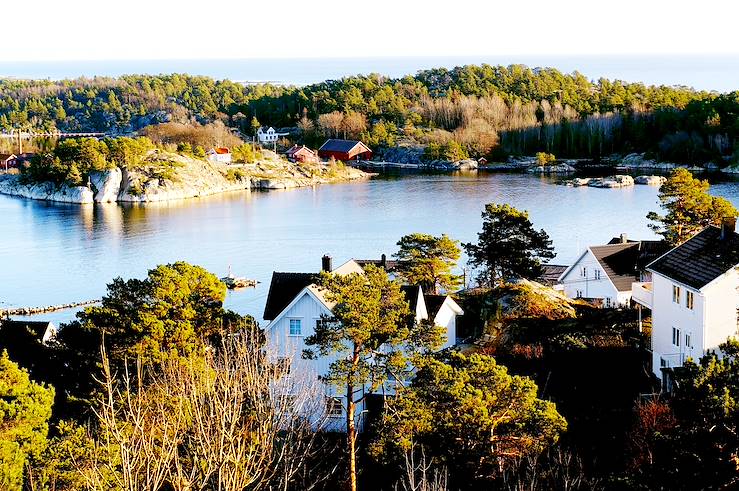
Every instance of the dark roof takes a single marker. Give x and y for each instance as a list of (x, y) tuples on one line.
[(433, 304), (411, 294), (344, 146), (623, 261), (283, 289), (619, 263), (37, 328), (550, 273), (388, 265), (701, 259)]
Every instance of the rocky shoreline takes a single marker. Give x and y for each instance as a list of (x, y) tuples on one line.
[(190, 178), (47, 309)]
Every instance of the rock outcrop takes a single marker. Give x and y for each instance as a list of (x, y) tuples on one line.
[(560, 168), (166, 176), (650, 180)]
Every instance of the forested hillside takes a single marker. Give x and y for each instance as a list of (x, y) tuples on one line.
[(486, 110)]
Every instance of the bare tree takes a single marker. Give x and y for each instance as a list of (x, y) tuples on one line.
[(331, 123), (233, 419)]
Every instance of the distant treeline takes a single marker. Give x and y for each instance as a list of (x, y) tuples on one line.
[(490, 110)]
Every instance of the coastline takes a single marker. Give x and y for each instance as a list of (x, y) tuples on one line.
[(196, 179)]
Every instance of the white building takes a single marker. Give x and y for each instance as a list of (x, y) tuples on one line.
[(605, 273), (269, 135), (219, 154), (694, 298), (295, 306)]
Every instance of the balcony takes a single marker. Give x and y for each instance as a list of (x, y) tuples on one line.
[(674, 360), (642, 294)]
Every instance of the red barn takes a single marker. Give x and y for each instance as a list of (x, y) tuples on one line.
[(345, 150), (301, 153), (8, 160)]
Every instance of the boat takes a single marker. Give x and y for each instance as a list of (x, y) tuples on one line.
[(232, 282)]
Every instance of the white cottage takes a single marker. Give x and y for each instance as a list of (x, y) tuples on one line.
[(269, 135), (605, 273), (295, 306), (694, 296)]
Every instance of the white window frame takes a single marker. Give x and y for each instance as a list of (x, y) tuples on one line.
[(675, 336), (689, 300), (608, 302), (290, 326), (676, 294), (584, 271), (596, 273), (334, 407)]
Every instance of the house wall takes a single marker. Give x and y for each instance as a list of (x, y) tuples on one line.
[(282, 344), (667, 314), (448, 318), (573, 281), (721, 303)]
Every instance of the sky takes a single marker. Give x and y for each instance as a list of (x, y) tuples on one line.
[(209, 29)]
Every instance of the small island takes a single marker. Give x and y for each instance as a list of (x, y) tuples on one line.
[(138, 170)]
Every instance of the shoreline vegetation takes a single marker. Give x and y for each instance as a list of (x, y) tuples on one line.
[(472, 111), (135, 170)]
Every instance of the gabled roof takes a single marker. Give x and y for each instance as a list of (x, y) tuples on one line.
[(550, 273), (6, 156), (40, 330), (299, 148), (388, 265), (619, 263), (434, 303), (701, 259), (282, 290), (412, 293), (344, 146)]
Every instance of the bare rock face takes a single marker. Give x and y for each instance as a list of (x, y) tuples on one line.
[(106, 185), (46, 191), (561, 168), (618, 181)]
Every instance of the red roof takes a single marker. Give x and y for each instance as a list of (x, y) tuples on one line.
[(222, 150)]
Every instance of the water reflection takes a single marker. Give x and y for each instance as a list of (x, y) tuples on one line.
[(58, 253)]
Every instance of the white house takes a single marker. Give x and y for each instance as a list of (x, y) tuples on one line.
[(219, 154), (606, 273), (295, 306), (694, 296), (43, 331), (269, 135)]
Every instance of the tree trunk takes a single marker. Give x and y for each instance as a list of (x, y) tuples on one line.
[(351, 430)]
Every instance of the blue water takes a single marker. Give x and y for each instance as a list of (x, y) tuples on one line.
[(704, 72)]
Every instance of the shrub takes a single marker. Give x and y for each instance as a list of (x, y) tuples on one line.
[(543, 158)]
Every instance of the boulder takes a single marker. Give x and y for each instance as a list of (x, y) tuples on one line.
[(650, 180), (618, 181), (561, 168)]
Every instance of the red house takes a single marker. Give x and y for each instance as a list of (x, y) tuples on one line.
[(8, 160), (345, 150), (301, 153)]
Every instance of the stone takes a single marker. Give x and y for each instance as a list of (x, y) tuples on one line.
[(650, 180)]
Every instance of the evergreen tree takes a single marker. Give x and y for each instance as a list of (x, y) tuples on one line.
[(689, 207), (428, 261), (508, 246), (25, 409), (372, 333)]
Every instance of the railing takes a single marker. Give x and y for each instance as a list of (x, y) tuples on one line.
[(675, 360), (642, 294)]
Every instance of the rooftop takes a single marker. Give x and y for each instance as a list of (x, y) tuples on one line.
[(701, 259)]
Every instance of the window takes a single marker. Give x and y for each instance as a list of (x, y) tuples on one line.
[(597, 274), (688, 341), (676, 294), (584, 272), (608, 302), (676, 336), (578, 293), (333, 407), (295, 327), (689, 302)]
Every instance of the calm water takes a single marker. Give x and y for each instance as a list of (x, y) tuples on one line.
[(706, 72), (57, 253)]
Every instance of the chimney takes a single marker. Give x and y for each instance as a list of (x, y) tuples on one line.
[(624, 238), (383, 261), (728, 226), (326, 263)]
